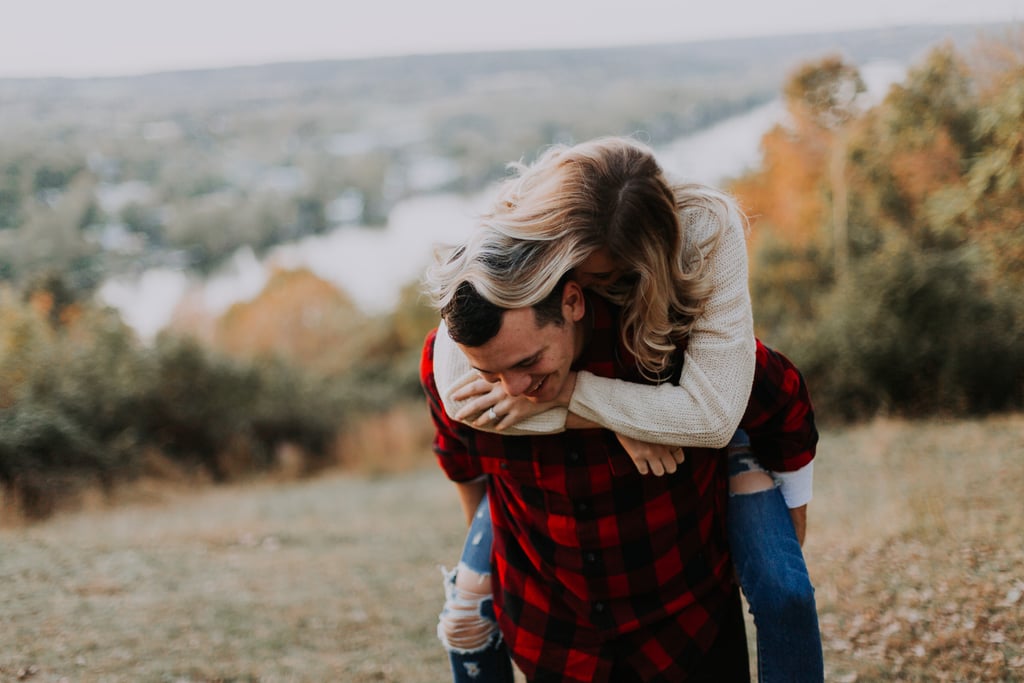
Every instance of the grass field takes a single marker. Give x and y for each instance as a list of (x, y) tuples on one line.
[(915, 544)]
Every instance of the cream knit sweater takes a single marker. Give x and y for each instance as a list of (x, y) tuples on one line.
[(705, 408)]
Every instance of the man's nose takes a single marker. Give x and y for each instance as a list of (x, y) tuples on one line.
[(516, 383)]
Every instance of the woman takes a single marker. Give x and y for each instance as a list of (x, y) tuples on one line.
[(674, 259)]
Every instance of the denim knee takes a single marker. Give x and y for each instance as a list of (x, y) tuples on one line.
[(467, 623), (792, 594), (767, 555)]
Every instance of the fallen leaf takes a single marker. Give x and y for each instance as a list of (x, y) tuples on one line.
[(1013, 596)]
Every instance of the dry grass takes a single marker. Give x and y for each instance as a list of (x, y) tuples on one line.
[(916, 551), (329, 580), (914, 545)]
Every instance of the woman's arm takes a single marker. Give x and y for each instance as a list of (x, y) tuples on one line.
[(705, 408)]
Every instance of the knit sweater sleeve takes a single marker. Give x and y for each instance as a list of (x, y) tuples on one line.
[(452, 371), (705, 408)]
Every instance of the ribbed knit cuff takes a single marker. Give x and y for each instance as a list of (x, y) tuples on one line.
[(797, 487)]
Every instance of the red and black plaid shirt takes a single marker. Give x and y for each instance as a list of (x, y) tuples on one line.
[(595, 563)]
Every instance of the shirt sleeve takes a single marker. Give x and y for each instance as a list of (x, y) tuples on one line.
[(797, 487), (452, 372), (452, 452), (780, 418), (706, 406)]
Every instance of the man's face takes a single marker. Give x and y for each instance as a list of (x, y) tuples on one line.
[(528, 359)]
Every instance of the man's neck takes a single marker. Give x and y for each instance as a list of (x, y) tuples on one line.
[(584, 331)]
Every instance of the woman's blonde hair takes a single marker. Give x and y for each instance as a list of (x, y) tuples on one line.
[(609, 193)]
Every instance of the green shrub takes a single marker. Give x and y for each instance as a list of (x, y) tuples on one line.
[(914, 333), (82, 400), (43, 452)]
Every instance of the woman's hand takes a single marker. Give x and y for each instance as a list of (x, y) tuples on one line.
[(652, 457), (490, 405)]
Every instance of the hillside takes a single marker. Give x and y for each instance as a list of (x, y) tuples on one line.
[(338, 579)]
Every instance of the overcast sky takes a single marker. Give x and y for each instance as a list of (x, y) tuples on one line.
[(112, 37)]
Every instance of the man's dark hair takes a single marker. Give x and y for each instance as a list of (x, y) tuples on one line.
[(473, 321)]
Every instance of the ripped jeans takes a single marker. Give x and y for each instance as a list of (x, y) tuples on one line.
[(467, 627)]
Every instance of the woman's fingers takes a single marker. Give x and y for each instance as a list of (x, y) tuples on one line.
[(505, 421), (672, 459), (491, 416), (473, 409), (475, 388), (653, 458), (662, 461), (481, 396), (477, 406), (657, 467)]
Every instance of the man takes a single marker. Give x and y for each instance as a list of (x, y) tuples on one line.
[(602, 574)]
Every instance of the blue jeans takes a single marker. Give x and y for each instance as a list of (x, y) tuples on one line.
[(489, 662), (773, 575)]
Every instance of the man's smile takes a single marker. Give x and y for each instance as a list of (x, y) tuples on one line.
[(533, 391)]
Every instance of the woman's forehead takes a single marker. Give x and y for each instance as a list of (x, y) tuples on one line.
[(600, 260)]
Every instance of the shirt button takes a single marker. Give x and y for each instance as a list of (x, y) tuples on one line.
[(504, 465), (574, 456), (582, 507), (599, 607), (591, 558)]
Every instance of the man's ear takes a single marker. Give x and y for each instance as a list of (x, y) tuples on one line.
[(574, 304)]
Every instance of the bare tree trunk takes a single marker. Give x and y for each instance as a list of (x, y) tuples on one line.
[(840, 237)]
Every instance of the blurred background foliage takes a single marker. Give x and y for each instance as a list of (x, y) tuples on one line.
[(886, 245), (84, 402)]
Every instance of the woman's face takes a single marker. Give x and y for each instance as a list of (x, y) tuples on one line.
[(598, 270)]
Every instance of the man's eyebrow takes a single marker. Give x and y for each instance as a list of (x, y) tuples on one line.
[(529, 360)]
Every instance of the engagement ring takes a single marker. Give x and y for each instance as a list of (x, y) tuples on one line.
[(491, 414)]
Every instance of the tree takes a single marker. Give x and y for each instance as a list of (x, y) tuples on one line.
[(910, 157), (995, 179), (299, 316), (824, 95)]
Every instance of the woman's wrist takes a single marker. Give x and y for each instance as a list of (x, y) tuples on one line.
[(574, 421), (565, 395)]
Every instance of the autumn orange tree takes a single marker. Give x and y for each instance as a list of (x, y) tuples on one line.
[(307, 321), (298, 316)]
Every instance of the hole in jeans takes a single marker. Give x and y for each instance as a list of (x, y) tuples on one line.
[(750, 482), (462, 626)]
